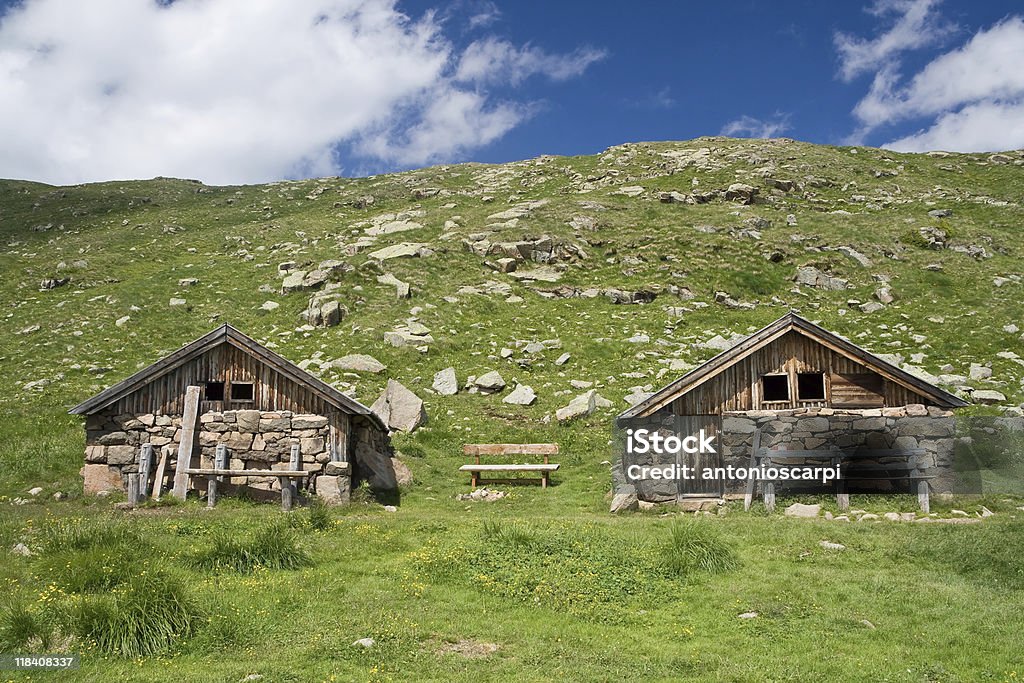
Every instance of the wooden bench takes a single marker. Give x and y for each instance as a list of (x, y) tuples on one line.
[(899, 469), (506, 449), (288, 479)]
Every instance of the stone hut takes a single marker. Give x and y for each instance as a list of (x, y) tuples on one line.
[(800, 387), (253, 401)]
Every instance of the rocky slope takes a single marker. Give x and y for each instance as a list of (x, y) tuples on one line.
[(552, 287)]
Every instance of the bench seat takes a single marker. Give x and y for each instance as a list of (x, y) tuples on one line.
[(548, 467)]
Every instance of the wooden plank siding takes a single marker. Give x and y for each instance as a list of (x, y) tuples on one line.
[(225, 363), (737, 387)]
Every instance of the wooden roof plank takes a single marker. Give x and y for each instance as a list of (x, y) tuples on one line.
[(787, 323)]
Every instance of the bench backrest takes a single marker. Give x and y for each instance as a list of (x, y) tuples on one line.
[(478, 449)]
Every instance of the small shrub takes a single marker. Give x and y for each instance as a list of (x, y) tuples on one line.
[(693, 546), (513, 534), (272, 547), (143, 617)]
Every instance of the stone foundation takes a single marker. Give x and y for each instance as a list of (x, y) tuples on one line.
[(255, 440), (911, 427)]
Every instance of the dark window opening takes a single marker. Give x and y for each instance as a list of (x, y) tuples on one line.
[(775, 388), (810, 386), (241, 391), (214, 391)]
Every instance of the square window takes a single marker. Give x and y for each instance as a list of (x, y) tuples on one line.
[(241, 391), (214, 391), (810, 386), (775, 388)]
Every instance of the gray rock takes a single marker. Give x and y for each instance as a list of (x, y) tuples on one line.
[(829, 545), (403, 250), (581, 406), (979, 372), (563, 359), (359, 362), (989, 396), (747, 615), (333, 489), (490, 382), (22, 550), (812, 277), (403, 475), (399, 408), (801, 510), (365, 643), (625, 499), (445, 382), (522, 395), (35, 491)]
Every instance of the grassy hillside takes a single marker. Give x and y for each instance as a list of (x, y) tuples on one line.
[(713, 264)]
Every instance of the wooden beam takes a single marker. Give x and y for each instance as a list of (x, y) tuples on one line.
[(145, 465), (213, 472), (510, 449), (158, 480), (188, 433), (133, 489)]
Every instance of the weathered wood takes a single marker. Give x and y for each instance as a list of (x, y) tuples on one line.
[(842, 497), (133, 489), (769, 496), (296, 464), (158, 480), (286, 493), (188, 433), (145, 464), (548, 467), (922, 497), (212, 471), (510, 449), (748, 494), (220, 461)]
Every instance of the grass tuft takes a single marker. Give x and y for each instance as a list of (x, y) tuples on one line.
[(694, 546), (272, 547)]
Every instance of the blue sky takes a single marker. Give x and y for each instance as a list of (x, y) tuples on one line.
[(251, 90)]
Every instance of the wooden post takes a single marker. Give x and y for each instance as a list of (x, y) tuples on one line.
[(220, 462), (748, 493), (922, 496), (188, 432), (145, 465), (289, 486), (769, 496), (133, 489), (158, 480)]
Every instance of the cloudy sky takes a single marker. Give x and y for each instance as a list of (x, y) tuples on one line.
[(240, 91)]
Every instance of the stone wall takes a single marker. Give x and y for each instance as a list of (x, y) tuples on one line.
[(254, 440), (910, 427)]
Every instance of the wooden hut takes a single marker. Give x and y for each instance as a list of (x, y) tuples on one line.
[(785, 374), (253, 403)]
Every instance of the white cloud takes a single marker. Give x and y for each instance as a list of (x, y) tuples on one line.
[(988, 126), (750, 127), (917, 25), (236, 91), (492, 60), (988, 67)]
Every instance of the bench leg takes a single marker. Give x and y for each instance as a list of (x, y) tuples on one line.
[(543, 480), (286, 493), (842, 497), (211, 491), (769, 496), (476, 479), (922, 496)]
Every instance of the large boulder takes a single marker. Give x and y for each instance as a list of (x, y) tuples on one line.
[(625, 499), (581, 406), (333, 490), (801, 510), (399, 408), (100, 477)]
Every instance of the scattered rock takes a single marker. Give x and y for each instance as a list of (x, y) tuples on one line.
[(446, 383), (35, 491), (399, 408), (748, 615), (22, 550), (403, 250), (801, 510), (490, 382), (359, 362), (742, 193), (365, 643), (812, 277), (177, 302), (269, 306), (829, 545), (625, 499), (323, 310), (989, 396), (482, 494), (522, 395)]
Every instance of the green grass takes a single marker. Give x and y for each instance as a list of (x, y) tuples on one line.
[(564, 591)]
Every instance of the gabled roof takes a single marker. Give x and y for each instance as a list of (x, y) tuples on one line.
[(225, 334), (790, 322)]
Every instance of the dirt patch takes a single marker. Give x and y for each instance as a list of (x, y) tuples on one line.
[(470, 649)]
